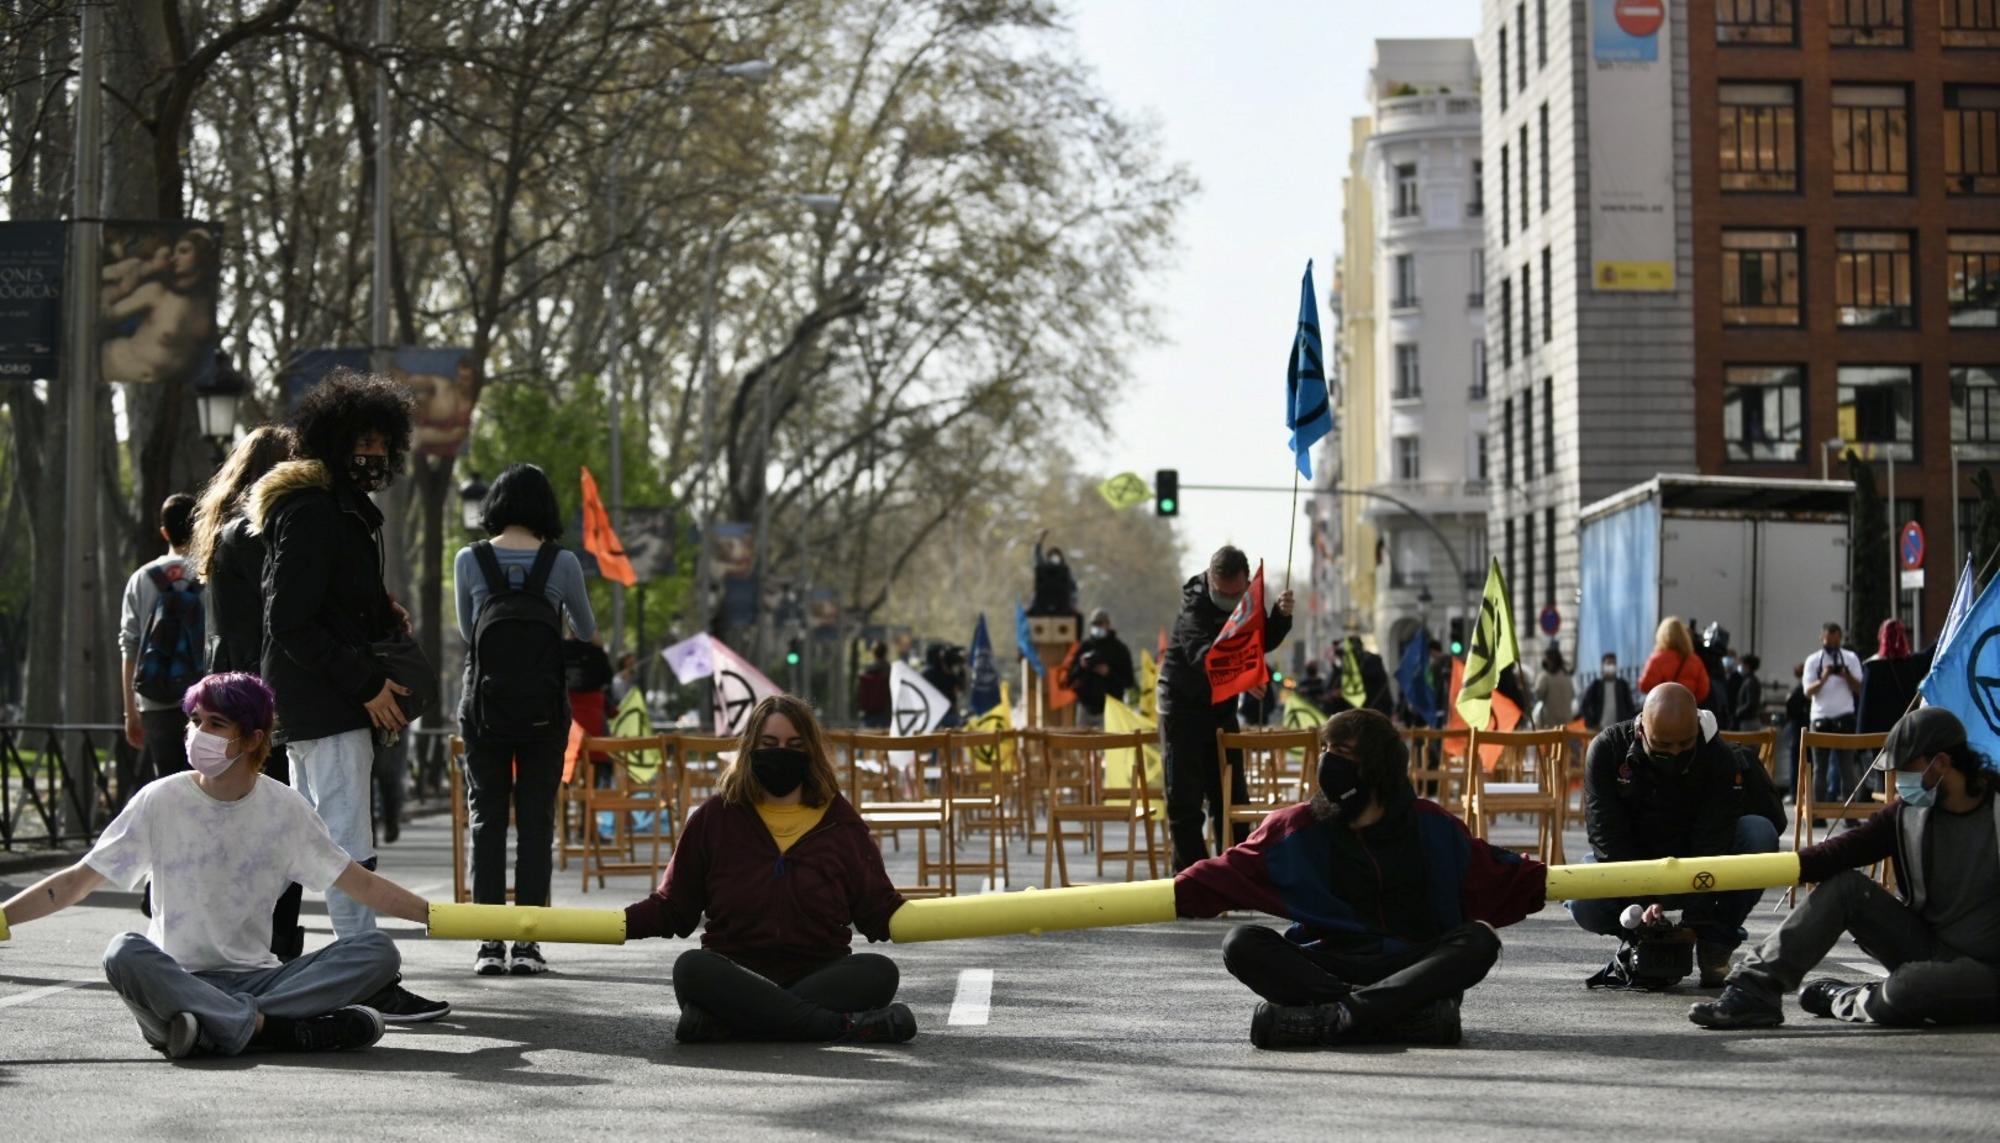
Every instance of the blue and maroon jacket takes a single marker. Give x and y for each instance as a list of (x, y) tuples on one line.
[(1407, 879)]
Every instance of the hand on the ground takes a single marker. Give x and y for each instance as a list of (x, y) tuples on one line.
[(1285, 602), (135, 730), (382, 709)]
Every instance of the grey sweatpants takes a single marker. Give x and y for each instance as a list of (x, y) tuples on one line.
[(156, 988), (1928, 983)]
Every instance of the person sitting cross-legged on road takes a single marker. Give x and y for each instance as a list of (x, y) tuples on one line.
[(1666, 785), (1939, 935), (220, 844), (1393, 903), (781, 865)]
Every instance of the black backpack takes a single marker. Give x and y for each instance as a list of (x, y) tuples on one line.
[(514, 673), (173, 650)]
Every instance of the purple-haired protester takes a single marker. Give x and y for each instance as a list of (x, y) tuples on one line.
[(220, 842)]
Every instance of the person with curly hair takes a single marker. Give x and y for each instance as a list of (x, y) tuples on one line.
[(325, 605)]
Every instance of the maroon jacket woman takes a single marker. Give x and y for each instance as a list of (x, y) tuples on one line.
[(780, 865)]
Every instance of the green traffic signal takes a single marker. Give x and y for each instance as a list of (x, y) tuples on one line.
[(1277, 676), (1167, 506), (791, 658), (1457, 648)]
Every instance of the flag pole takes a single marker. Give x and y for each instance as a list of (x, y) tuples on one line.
[(1292, 539)]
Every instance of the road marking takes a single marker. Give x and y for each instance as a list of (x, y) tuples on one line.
[(1874, 970), (34, 994), (974, 1000)]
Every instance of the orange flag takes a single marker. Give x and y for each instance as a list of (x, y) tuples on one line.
[(600, 541), (1060, 695), (1506, 715), (1236, 659)]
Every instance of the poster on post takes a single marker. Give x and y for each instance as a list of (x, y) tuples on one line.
[(440, 380), (1630, 86), (32, 256), (156, 301)]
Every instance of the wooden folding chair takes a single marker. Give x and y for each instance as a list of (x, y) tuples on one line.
[(870, 759), (1279, 769), (1081, 792), (981, 787), (698, 765), (1764, 742), (643, 772), (1531, 777), (1806, 808), (1437, 765)]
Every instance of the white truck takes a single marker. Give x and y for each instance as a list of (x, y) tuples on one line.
[(1767, 559)]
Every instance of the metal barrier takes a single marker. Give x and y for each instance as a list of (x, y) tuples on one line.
[(42, 803)]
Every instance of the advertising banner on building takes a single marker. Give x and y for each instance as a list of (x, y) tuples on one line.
[(439, 379), (1631, 142), (32, 255), (157, 301)]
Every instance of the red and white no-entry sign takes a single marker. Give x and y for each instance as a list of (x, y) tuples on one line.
[(1640, 18)]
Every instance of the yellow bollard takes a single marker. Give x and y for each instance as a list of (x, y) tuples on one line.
[(527, 923), (1672, 875), (1033, 911)]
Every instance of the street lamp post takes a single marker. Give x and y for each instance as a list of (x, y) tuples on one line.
[(750, 71), (472, 503), (215, 405)]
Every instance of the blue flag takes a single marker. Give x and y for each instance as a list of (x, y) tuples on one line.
[(1965, 674), (985, 693), (1961, 604), (1307, 413), (1027, 642), (1413, 677)]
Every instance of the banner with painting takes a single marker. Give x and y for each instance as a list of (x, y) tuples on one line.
[(156, 301), (441, 380)]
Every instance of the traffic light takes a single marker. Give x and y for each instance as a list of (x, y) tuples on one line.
[(792, 650), (1278, 677), (1458, 636), (1167, 492)]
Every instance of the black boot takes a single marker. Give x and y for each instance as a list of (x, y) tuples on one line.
[(1434, 1023), (1298, 1026), (895, 1024)]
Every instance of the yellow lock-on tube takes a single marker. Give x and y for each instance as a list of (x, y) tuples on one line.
[(1034, 911), (1672, 875), (527, 923)]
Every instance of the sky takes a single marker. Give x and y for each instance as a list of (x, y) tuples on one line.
[(1255, 97)]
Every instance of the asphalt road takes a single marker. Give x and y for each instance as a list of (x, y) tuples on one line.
[(1106, 1034)]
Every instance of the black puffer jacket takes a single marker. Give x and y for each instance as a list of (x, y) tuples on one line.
[(1184, 673), (236, 600), (1636, 809), (324, 601)]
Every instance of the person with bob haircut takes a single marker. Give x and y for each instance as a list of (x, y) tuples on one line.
[(1393, 903), (515, 714), (325, 607), (780, 865), (220, 842)]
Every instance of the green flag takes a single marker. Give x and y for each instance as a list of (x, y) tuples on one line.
[(1124, 490), (1301, 714), (1493, 650), (1352, 687)]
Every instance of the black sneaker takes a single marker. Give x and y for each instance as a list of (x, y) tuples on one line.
[(1434, 1023), (895, 1024), (1737, 1008), (1817, 996), (528, 959), (491, 960), (1714, 962), (1294, 1025), (183, 1036), (697, 1026), (341, 1030), (398, 1005)]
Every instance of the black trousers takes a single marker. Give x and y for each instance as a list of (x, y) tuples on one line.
[(285, 939), (165, 752), (1377, 988), (527, 776), (1194, 778), (813, 1007)]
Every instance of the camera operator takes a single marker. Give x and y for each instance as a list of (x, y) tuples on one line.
[(1667, 785), (1103, 669), (1833, 683)]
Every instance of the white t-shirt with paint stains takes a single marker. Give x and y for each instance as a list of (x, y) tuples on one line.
[(217, 867)]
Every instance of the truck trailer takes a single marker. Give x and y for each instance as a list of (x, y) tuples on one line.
[(1767, 559)]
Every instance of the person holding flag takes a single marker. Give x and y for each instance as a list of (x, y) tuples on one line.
[(1216, 652)]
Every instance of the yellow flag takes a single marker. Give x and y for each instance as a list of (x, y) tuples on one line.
[(1124, 490), (1149, 685), (632, 720), (1493, 650), (1301, 714), (1000, 718), (1353, 687), (1122, 719)]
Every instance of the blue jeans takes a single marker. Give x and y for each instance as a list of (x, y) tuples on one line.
[(1834, 771), (1716, 918)]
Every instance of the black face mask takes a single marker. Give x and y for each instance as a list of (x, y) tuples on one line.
[(779, 769), (1340, 783), (369, 473)]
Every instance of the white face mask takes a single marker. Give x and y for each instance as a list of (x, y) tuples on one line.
[(208, 753)]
